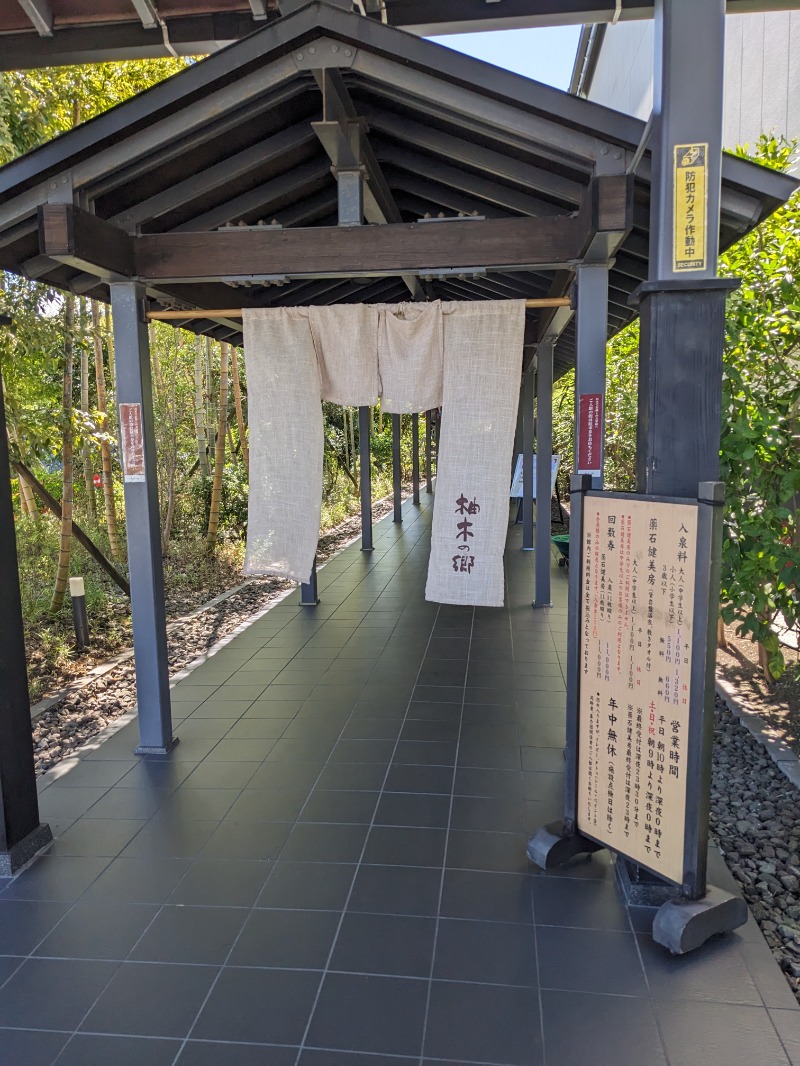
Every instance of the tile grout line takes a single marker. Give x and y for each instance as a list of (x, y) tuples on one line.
[(446, 846)]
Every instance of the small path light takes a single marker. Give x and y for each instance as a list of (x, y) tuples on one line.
[(77, 592)]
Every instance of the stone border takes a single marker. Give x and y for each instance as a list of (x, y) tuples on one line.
[(780, 753)]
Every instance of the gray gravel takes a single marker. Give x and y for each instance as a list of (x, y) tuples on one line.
[(755, 820)]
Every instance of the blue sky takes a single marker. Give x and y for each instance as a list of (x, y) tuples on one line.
[(544, 54)]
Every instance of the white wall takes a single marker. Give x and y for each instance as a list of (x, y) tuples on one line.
[(624, 75), (762, 74)]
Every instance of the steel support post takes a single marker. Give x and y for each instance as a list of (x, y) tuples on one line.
[(560, 841), (590, 370), (308, 589), (683, 303), (682, 309), (544, 451), (397, 476), (415, 456), (21, 833), (365, 478), (143, 524), (527, 460), (428, 452)]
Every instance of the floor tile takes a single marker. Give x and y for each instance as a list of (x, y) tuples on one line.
[(93, 930), (504, 852), (369, 1014), (56, 878), (52, 993), (717, 972), (396, 890), (258, 1006), (313, 842), (268, 804), (787, 1024), (201, 935), (97, 836), (148, 999), (89, 1050), (293, 939), (718, 1034), (247, 840), (308, 886), (620, 1031), (589, 960), (413, 809), (428, 779), (391, 945), (495, 897), (400, 846), (220, 882), (485, 952), (24, 923), (27, 1047), (201, 1053), (340, 807), (316, 1057), (135, 880), (484, 1023), (560, 901)]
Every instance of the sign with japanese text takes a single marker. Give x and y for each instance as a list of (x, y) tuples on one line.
[(132, 441), (590, 433), (638, 569), (517, 480), (691, 207)]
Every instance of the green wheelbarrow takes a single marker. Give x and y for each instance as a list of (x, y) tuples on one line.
[(561, 542)]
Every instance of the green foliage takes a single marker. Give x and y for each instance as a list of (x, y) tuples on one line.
[(761, 422)]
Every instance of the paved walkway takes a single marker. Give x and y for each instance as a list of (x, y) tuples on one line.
[(330, 868)]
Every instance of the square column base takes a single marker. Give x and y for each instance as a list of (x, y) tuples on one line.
[(148, 749), (11, 862)]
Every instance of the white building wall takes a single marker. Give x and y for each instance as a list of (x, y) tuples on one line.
[(762, 74)]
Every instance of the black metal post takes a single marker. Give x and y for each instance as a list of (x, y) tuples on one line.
[(143, 523), (556, 843), (527, 461), (365, 477), (428, 452), (308, 589), (397, 476), (21, 833), (544, 477), (80, 619), (415, 455)]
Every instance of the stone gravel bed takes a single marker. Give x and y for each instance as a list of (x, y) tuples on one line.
[(87, 707), (755, 819)]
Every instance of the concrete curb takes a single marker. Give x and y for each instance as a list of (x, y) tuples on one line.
[(782, 755)]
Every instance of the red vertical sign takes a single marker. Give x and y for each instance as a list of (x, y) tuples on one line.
[(590, 433), (132, 440)]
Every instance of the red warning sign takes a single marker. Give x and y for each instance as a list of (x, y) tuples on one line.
[(132, 440), (590, 433)]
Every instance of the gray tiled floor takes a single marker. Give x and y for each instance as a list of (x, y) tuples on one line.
[(329, 870)]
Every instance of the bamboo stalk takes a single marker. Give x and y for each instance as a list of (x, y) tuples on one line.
[(236, 312)]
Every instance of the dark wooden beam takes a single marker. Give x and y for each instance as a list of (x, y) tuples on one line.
[(79, 239), (362, 250)]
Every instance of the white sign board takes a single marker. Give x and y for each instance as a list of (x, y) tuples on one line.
[(516, 483)]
